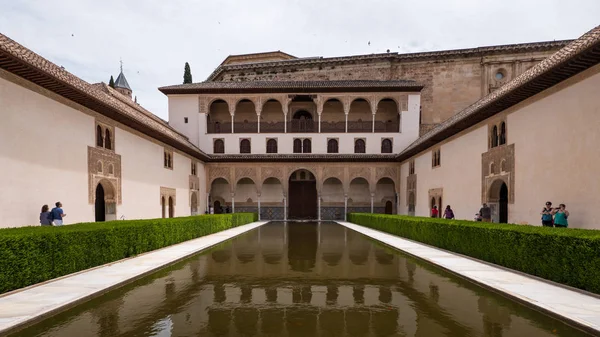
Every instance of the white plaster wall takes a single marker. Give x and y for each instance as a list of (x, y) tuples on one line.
[(557, 154), (143, 174), (43, 157), (181, 106)]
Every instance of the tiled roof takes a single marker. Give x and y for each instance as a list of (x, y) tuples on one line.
[(469, 52), (23, 62), (292, 86), (577, 56)]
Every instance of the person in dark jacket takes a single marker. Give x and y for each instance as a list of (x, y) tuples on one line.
[(448, 213), (486, 213), (45, 218)]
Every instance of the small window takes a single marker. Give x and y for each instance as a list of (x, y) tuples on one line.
[(168, 159), (297, 145), (494, 136), (359, 146), (499, 75), (503, 166), (492, 169), (99, 167), (272, 146), (411, 167), (386, 146), (245, 146), (99, 136), (193, 168), (436, 158), (306, 146), (332, 146), (219, 146), (185, 120), (502, 140), (111, 169), (108, 140)]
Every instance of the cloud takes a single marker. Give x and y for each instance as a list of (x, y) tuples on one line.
[(155, 38)]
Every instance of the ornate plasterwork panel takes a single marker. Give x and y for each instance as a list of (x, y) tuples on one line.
[(498, 164), (246, 172), (194, 182), (215, 172), (167, 192), (271, 172), (386, 172), (411, 187), (333, 172), (104, 166), (362, 172)]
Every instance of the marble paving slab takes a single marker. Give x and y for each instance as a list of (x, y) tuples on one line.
[(574, 306), (21, 307)]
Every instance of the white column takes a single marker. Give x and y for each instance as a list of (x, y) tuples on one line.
[(232, 117), (345, 206), (319, 123), (373, 123), (372, 200), (258, 123), (397, 204), (233, 203), (208, 202), (346, 123), (285, 123), (319, 206), (259, 207), (284, 208)]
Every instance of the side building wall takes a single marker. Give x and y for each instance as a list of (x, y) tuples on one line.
[(550, 155), (49, 154)]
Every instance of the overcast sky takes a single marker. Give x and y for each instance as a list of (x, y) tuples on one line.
[(156, 37)]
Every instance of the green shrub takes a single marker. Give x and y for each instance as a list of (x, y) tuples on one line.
[(30, 255), (568, 256)]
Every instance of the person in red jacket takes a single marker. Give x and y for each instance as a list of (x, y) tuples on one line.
[(434, 212)]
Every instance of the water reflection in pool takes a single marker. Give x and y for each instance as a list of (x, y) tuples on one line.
[(301, 279)]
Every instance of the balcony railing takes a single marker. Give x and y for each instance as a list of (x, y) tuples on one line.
[(360, 126), (305, 125), (333, 126), (272, 127), (387, 126), (302, 125), (217, 127), (245, 127)]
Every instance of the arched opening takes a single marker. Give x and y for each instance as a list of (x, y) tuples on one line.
[(245, 146), (108, 140), (246, 196), (440, 207), (360, 118), (100, 204), (104, 204), (171, 208), (332, 146), (494, 136), (389, 207), (333, 118), (99, 167), (387, 117), (219, 146), (271, 200), (498, 200), (502, 133), (359, 196), (411, 203), (433, 204), (272, 146), (503, 166), (220, 196), (385, 192), (272, 118), (111, 169), (332, 199), (297, 145), (218, 119), (245, 118), (386, 146), (302, 121), (163, 207), (306, 146), (99, 136), (492, 169), (302, 195), (359, 146), (194, 204)]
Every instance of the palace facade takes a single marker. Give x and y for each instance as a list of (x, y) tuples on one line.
[(311, 138)]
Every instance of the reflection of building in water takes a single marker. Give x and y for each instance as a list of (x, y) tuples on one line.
[(362, 289)]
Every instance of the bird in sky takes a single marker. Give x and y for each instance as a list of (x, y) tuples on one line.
[(369, 43)]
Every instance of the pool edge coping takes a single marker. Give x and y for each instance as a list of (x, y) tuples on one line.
[(45, 313), (593, 330)]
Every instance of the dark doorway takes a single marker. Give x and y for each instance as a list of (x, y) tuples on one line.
[(503, 204), (100, 204), (217, 207), (303, 195), (171, 209), (388, 207)]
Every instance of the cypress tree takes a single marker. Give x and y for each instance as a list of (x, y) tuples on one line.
[(111, 83), (187, 74)]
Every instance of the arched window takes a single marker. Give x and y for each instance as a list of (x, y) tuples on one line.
[(245, 146), (494, 136), (169, 162), (108, 140), (163, 206), (171, 208), (193, 168), (219, 146), (359, 146), (306, 146), (111, 169), (492, 168), (503, 166), (332, 146), (166, 161), (99, 138), (297, 145), (386, 146), (272, 146), (99, 167), (502, 133)]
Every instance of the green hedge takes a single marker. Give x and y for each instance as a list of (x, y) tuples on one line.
[(564, 255), (30, 255)]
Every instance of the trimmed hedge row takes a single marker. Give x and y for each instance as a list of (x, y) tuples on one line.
[(30, 255), (568, 256)]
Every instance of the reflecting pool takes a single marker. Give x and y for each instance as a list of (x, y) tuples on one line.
[(301, 279)]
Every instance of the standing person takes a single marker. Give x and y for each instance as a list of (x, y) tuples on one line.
[(560, 216), (58, 214), (448, 213), (546, 213), (434, 212), (485, 213), (45, 216)]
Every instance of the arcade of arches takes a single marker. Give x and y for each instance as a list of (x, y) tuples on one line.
[(323, 191)]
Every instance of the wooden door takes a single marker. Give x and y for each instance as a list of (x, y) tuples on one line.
[(303, 200)]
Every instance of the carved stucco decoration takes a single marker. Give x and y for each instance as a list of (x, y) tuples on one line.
[(104, 166), (411, 188), (167, 192), (272, 172), (246, 172), (215, 172), (386, 172), (194, 182), (503, 160)]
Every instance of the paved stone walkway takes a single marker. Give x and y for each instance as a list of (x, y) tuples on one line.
[(39, 301), (579, 308)]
